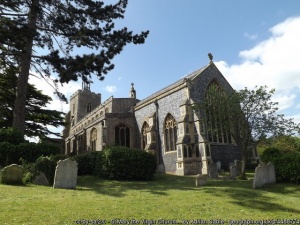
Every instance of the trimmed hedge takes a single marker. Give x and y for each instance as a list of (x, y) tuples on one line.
[(86, 163), (29, 152), (122, 163), (287, 164)]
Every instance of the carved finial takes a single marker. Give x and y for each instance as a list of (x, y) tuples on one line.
[(132, 92), (210, 56)]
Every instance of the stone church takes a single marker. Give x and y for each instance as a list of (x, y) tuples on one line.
[(165, 123)]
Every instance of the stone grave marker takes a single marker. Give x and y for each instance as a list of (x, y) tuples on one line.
[(218, 163), (213, 171), (238, 164), (201, 180), (264, 174), (233, 172), (12, 174), (41, 179), (65, 174)]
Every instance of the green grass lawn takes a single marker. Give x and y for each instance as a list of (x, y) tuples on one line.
[(166, 197)]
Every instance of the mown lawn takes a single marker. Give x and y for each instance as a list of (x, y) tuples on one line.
[(167, 197)]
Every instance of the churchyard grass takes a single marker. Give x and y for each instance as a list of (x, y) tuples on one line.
[(167, 197)]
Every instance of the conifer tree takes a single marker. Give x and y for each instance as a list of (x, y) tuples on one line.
[(62, 39)]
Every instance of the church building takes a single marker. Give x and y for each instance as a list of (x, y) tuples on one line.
[(165, 123)]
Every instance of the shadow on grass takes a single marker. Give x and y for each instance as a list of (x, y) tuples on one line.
[(239, 192)]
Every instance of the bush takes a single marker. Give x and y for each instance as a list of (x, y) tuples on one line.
[(8, 154), (86, 163), (11, 135), (122, 163), (287, 164)]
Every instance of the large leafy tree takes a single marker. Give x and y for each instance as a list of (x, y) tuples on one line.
[(51, 37), (38, 118), (249, 116)]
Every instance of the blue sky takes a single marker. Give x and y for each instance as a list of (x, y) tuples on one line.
[(253, 42)]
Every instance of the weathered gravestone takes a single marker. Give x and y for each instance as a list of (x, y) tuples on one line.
[(264, 174), (239, 165), (218, 166), (41, 179), (12, 174), (201, 180), (233, 172), (213, 171), (65, 174)]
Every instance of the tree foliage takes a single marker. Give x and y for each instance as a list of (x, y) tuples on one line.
[(248, 115), (53, 38), (38, 117)]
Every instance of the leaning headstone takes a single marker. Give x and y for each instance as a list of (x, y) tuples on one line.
[(213, 171), (201, 180), (239, 165), (12, 174), (41, 179), (218, 166), (65, 174), (233, 172), (264, 174)]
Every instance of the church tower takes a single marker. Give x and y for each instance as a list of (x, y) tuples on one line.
[(82, 103)]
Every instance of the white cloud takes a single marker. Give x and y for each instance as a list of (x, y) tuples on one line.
[(273, 62), (250, 36), (111, 88)]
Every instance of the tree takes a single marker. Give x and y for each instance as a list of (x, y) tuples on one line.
[(37, 117), (46, 37), (249, 116), (282, 142)]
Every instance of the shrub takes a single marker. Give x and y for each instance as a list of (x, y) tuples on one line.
[(8, 154), (86, 163), (11, 135), (122, 163), (287, 164)]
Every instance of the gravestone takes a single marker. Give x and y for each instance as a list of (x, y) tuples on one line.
[(41, 179), (65, 174), (12, 174), (233, 172), (264, 174), (201, 180), (230, 165), (218, 166), (213, 171), (239, 165)]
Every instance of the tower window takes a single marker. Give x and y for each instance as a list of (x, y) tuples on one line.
[(89, 108)]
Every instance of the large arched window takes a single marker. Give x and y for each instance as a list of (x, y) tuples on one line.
[(215, 116), (122, 135), (145, 130), (170, 133), (93, 139)]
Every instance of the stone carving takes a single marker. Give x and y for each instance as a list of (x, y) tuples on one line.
[(264, 174), (201, 180), (41, 179), (213, 171), (65, 174), (12, 174)]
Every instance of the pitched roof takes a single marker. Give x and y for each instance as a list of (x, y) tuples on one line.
[(173, 85)]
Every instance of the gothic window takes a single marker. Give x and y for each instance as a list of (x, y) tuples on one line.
[(145, 130), (216, 131), (89, 108), (93, 139), (170, 133), (122, 135)]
